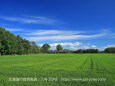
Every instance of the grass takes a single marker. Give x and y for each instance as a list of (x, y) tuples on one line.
[(50, 66)]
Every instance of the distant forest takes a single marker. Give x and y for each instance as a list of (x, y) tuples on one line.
[(11, 44)]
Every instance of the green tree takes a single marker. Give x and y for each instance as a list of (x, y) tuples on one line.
[(45, 48), (67, 51), (51, 51), (59, 48), (11, 44), (34, 48), (0, 48), (110, 50), (20, 47)]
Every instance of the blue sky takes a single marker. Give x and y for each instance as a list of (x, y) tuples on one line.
[(72, 23)]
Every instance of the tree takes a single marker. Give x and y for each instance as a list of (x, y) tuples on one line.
[(11, 44), (0, 48), (59, 48), (91, 51), (87, 51), (51, 51), (67, 51), (45, 48), (110, 50), (34, 48), (20, 47)]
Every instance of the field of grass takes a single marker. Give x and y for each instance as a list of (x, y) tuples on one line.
[(58, 70)]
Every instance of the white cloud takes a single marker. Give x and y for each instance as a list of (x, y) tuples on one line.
[(76, 46), (65, 45), (39, 17), (71, 44), (103, 48), (54, 32), (64, 37), (85, 47), (57, 35), (54, 44), (110, 46), (14, 29), (93, 46), (30, 20), (72, 47), (40, 45)]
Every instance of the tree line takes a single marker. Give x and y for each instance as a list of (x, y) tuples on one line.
[(59, 49), (11, 44)]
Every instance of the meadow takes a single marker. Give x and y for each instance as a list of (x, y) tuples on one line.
[(58, 70)]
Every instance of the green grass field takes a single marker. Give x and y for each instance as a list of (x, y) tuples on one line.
[(58, 70)]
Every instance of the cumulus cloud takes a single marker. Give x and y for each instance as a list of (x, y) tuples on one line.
[(85, 47), (109, 46), (76, 46), (93, 46), (103, 48), (66, 45)]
